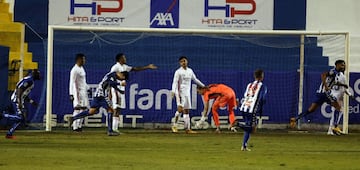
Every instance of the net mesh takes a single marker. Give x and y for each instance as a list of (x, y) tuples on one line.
[(215, 58)]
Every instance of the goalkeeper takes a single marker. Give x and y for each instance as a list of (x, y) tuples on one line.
[(252, 104), (223, 95)]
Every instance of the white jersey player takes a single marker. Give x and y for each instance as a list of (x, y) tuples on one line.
[(78, 90), (118, 97), (181, 90)]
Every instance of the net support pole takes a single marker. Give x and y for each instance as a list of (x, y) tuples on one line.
[(22, 43), (346, 97), (301, 76), (49, 79)]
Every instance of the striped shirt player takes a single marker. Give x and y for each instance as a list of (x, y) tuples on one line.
[(102, 98), (78, 90), (18, 99), (180, 88), (118, 97), (252, 104), (338, 89), (324, 94)]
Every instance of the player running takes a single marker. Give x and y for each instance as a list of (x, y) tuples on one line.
[(101, 99), (224, 96), (181, 90), (78, 90), (324, 94), (338, 90), (18, 99), (252, 104), (118, 96)]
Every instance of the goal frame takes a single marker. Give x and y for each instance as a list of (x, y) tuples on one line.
[(302, 34)]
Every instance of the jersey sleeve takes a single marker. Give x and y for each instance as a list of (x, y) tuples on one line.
[(175, 83), (128, 68), (197, 81), (114, 68), (72, 84)]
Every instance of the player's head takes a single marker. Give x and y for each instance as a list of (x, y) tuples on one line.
[(183, 61), (122, 75), (259, 74), (340, 65), (120, 58), (201, 90), (80, 59), (35, 73)]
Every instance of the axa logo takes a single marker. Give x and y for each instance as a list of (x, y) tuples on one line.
[(163, 19), (97, 6), (229, 7), (164, 14)]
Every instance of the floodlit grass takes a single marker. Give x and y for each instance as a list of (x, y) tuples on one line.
[(142, 149)]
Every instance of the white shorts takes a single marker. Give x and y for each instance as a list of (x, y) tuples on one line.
[(183, 101), (117, 99), (81, 99)]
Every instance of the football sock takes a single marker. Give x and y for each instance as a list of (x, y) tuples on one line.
[(115, 125), (177, 114), (246, 138), (186, 121), (81, 115), (109, 119), (301, 115), (336, 117), (75, 123), (13, 128)]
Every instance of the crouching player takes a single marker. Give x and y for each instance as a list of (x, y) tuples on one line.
[(224, 96), (252, 103), (18, 99), (102, 99)]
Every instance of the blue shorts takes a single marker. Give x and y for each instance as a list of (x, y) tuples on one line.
[(16, 108), (98, 102), (249, 118), (323, 98)]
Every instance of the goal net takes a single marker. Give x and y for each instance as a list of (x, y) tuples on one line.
[(292, 61)]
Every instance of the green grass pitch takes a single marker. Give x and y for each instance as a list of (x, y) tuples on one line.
[(160, 149)]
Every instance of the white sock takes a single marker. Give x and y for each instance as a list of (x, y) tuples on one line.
[(115, 123), (75, 124), (186, 121), (176, 116)]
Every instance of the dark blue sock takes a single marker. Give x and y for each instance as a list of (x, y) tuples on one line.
[(246, 138), (336, 117), (13, 128), (303, 114), (81, 115), (110, 120)]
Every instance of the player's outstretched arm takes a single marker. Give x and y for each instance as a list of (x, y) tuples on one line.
[(150, 66)]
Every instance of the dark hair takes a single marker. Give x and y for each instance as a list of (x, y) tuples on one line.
[(119, 56), (79, 56), (339, 62), (126, 74), (258, 73), (35, 73), (182, 57)]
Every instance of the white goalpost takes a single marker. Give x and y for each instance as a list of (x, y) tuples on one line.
[(301, 34)]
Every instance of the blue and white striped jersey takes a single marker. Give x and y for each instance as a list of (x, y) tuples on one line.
[(254, 97), (26, 85), (109, 80), (330, 80)]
